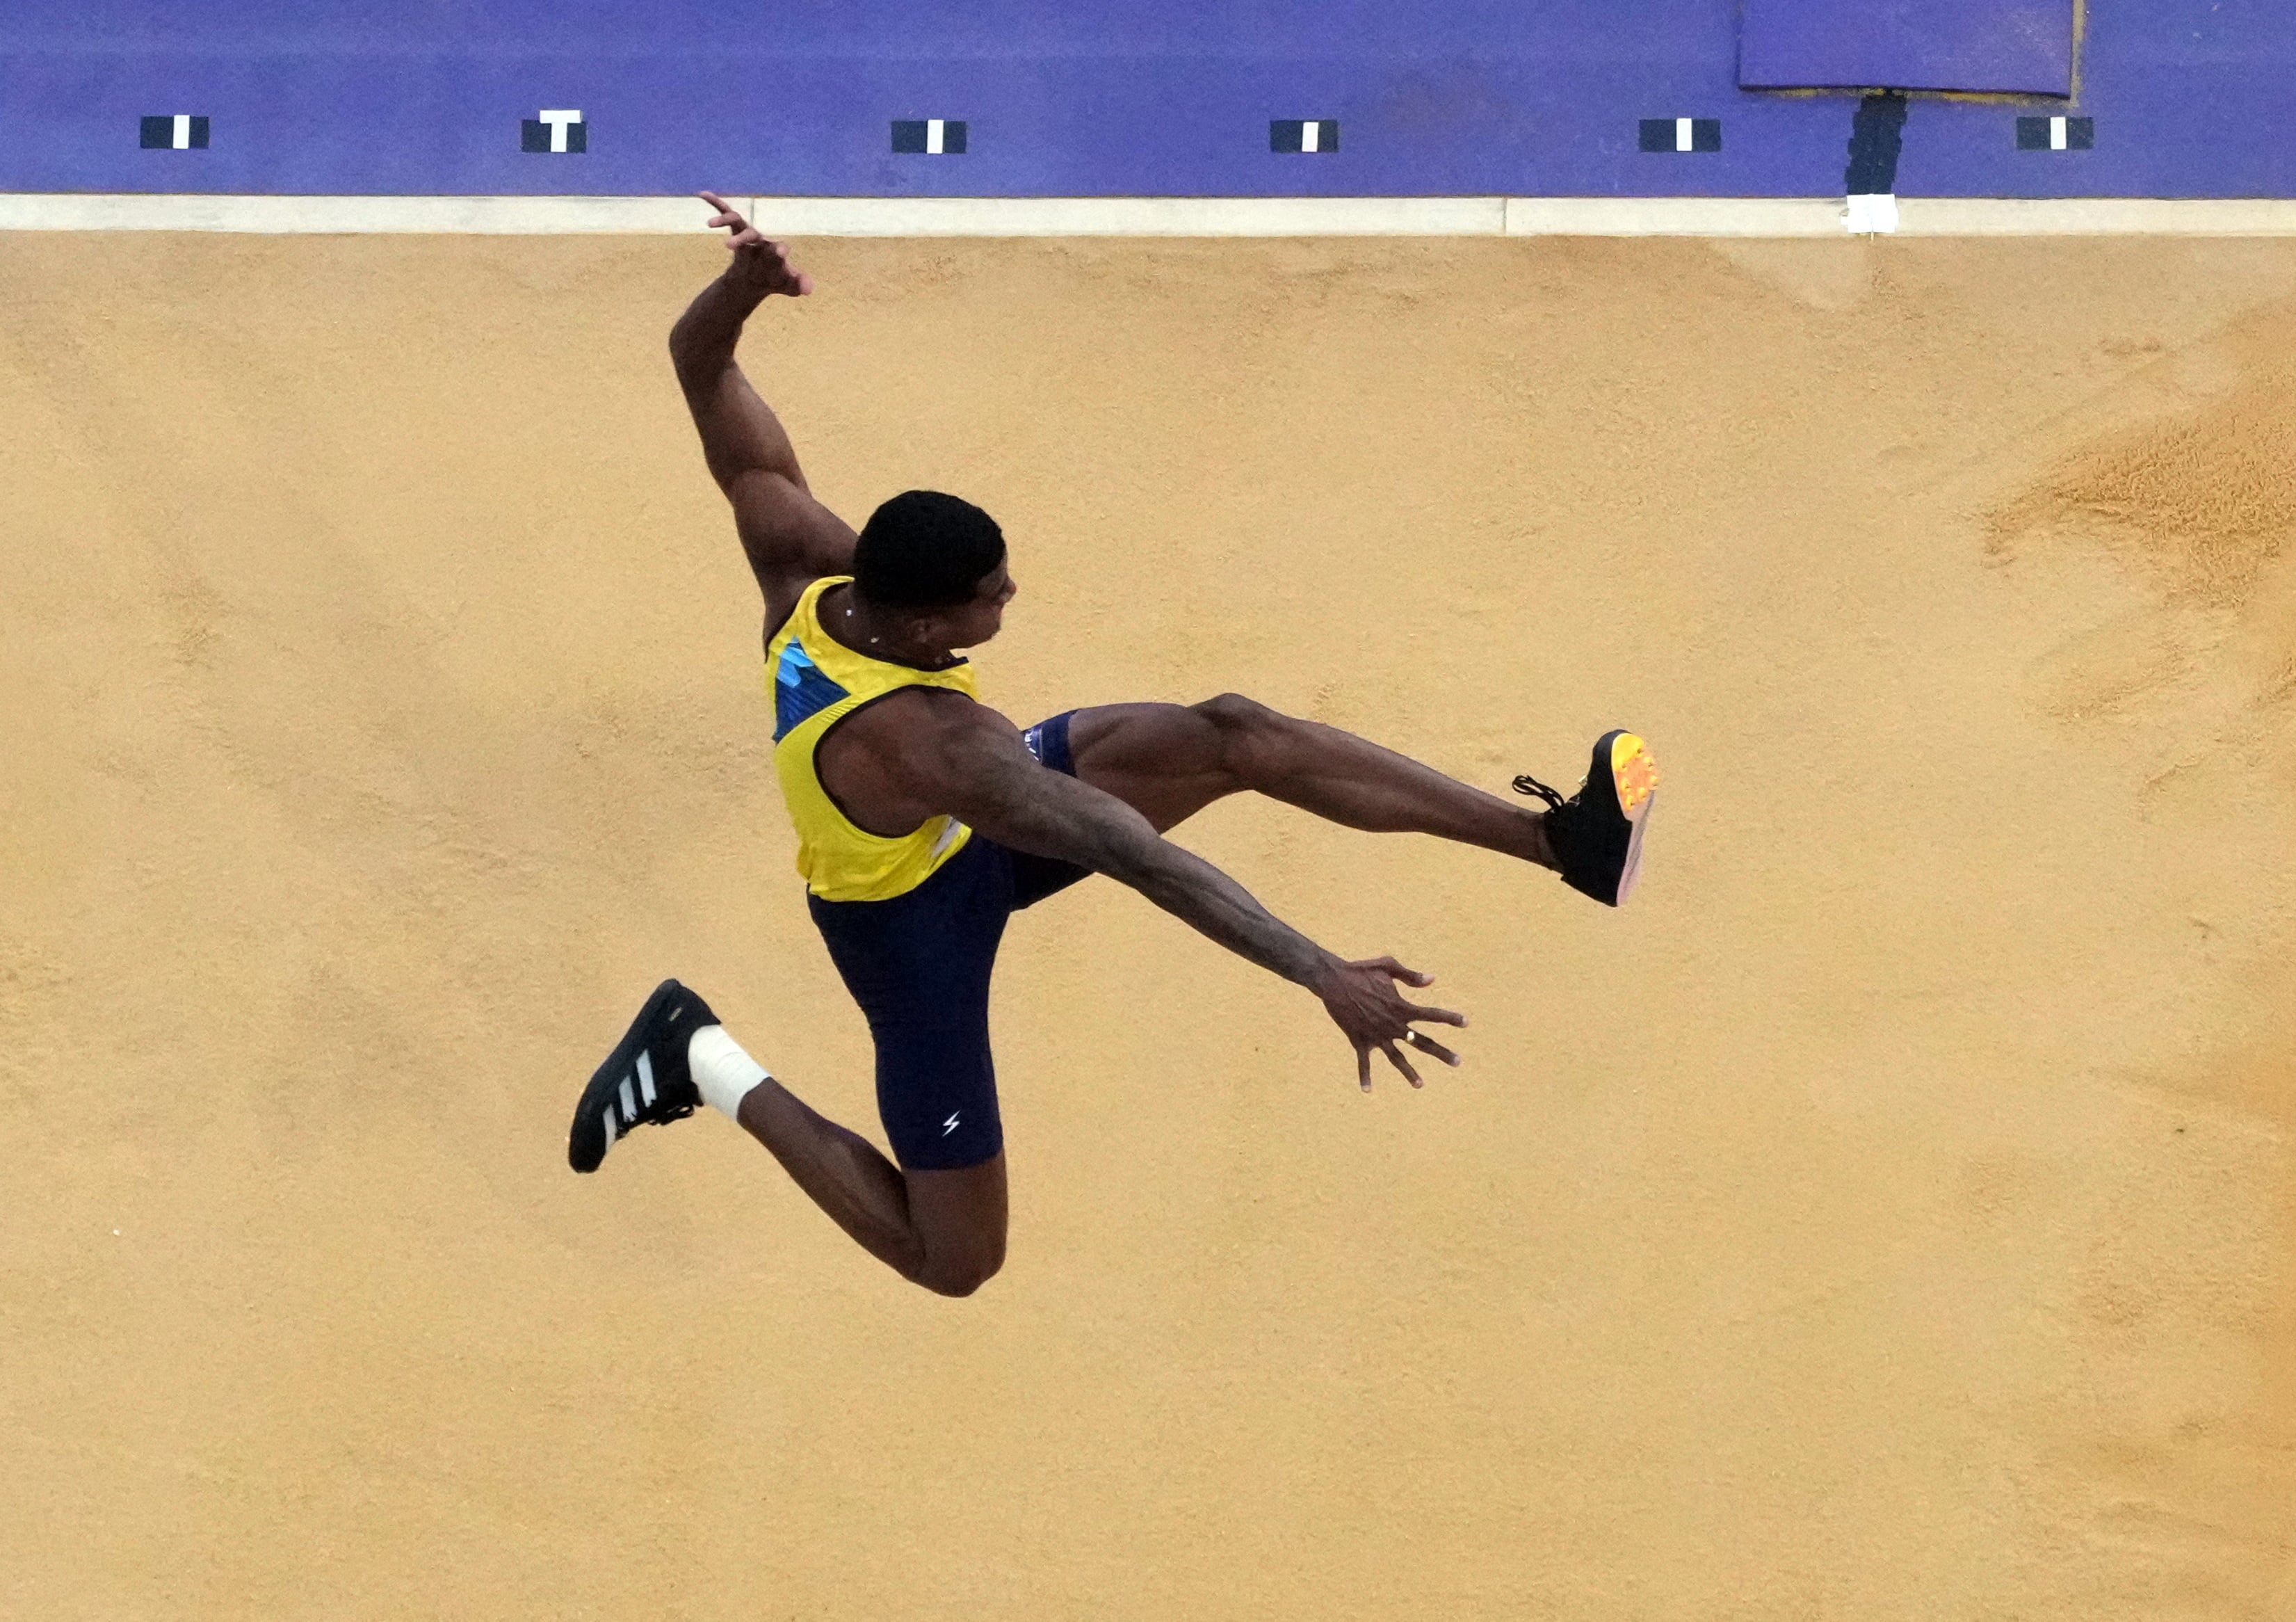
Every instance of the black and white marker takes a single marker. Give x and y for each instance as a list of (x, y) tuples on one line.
[(178, 131), (557, 130), (1877, 134), (2056, 134), (934, 137), (1682, 134), (1303, 136)]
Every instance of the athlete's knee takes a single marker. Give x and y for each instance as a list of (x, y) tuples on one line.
[(958, 1285), (956, 1225), (959, 1275), (955, 1259), (1252, 736)]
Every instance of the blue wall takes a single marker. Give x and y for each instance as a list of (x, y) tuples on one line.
[(1078, 98)]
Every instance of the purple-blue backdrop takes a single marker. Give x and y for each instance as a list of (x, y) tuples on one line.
[(1079, 98), (2021, 46)]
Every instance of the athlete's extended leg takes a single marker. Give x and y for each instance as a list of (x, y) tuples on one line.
[(1169, 761)]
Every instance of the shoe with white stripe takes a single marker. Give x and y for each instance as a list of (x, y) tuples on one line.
[(643, 1080)]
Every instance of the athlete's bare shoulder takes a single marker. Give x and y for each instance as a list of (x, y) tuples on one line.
[(914, 754)]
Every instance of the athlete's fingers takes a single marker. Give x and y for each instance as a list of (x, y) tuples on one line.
[(1401, 1063), (1409, 976), (1363, 1065), (1428, 1044), (1444, 1017)]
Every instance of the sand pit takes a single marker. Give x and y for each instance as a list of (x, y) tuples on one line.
[(1892, 1213)]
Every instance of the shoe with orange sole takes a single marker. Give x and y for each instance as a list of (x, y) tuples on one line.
[(1597, 833)]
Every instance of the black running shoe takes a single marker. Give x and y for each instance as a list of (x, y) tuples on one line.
[(645, 1079), (1597, 833)]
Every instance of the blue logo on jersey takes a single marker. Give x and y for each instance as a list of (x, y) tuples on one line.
[(800, 691)]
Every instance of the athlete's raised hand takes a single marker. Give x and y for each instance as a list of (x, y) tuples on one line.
[(1362, 1000), (759, 267)]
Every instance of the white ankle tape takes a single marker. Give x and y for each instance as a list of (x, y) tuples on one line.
[(722, 1072)]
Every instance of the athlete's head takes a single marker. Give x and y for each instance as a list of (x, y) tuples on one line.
[(936, 561)]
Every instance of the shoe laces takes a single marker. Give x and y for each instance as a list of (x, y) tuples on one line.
[(1528, 785)]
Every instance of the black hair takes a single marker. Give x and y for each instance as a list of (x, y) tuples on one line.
[(922, 549)]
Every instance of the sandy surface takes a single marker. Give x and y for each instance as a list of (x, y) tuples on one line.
[(1892, 1213)]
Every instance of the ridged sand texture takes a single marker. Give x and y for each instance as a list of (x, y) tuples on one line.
[(1889, 1214)]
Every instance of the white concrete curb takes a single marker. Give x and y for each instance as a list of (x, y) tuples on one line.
[(1154, 215)]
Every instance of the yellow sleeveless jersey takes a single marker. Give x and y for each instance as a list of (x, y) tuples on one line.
[(816, 683)]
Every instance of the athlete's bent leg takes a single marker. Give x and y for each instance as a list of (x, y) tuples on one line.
[(1169, 761), (938, 1219), (942, 1230)]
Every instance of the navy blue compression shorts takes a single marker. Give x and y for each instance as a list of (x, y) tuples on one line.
[(919, 967)]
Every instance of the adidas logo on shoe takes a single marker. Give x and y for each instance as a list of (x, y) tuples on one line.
[(644, 1079)]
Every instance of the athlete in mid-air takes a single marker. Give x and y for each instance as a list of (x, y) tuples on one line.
[(924, 818)]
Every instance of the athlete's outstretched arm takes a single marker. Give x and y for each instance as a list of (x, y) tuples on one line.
[(790, 538), (976, 764)]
